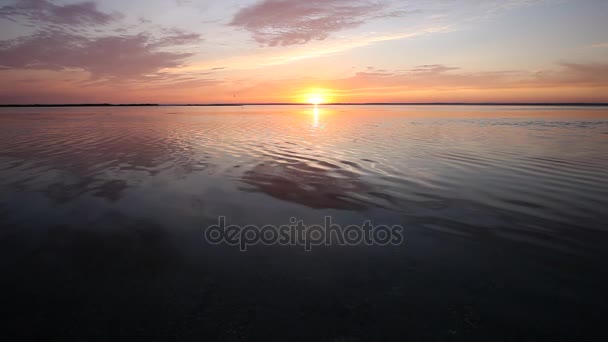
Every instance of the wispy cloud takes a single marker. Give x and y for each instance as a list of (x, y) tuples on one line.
[(320, 49), (600, 45), (438, 76), (590, 74), (355, 42)]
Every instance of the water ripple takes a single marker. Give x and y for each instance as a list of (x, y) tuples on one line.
[(518, 176)]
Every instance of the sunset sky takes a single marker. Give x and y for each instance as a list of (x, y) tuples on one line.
[(203, 51)]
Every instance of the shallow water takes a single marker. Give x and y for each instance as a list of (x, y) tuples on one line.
[(504, 210)]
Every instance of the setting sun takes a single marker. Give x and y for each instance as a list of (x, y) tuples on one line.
[(316, 99)]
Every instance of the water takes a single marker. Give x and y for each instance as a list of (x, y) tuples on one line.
[(103, 212)]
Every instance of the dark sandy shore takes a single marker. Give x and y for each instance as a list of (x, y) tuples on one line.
[(137, 281)]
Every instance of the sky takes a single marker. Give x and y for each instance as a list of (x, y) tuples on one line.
[(259, 51)]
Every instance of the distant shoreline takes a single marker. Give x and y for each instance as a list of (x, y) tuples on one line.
[(575, 104)]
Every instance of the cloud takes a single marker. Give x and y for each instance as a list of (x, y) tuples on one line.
[(591, 74), (291, 22), (438, 77), (431, 69), (600, 45), (435, 77), (45, 86), (125, 56), (288, 22), (43, 11), (270, 58), (175, 37), (63, 42)]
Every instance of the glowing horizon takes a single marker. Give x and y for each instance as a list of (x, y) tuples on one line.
[(287, 51)]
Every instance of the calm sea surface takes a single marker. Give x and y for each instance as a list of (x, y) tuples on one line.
[(505, 210)]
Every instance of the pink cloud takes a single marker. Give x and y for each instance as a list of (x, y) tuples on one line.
[(126, 56), (43, 11), (288, 22)]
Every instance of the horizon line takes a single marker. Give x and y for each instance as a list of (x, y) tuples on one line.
[(306, 104)]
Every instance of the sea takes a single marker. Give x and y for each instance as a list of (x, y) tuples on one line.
[(503, 210)]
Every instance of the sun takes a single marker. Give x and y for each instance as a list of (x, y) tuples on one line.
[(315, 96), (316, 99)]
